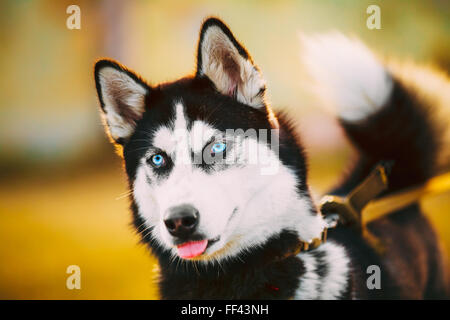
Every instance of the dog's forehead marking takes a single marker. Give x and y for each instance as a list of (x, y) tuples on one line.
[(181, 136), (179, 122)]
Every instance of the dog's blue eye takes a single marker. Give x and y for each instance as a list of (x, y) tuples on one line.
[(157, 160), (218, 147)]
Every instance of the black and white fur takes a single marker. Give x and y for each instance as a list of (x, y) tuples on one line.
[(252, 220)]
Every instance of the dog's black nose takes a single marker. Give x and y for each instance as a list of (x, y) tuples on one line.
[(181, 221)]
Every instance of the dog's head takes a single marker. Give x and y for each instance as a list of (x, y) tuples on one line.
[(213, 172)]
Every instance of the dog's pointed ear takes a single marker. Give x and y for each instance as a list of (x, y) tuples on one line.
[(222, 59), (122, 96)]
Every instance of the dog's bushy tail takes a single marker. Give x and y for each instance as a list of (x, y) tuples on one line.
[(388, 111)]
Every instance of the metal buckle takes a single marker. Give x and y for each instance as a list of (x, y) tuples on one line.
[(349, 208)]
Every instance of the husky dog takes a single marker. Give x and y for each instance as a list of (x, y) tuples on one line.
[(228, 229)]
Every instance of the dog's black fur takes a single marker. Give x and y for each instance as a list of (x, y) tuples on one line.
[(402, 131)]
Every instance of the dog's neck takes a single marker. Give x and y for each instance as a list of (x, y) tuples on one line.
[(269, 272)]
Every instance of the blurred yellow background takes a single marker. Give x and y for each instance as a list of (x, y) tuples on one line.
[(61, 185)]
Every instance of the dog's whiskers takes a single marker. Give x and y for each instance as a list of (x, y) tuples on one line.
[(139, 226), (195, 267), (124, 195)]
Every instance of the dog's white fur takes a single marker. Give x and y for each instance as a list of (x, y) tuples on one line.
[(349, 76), (338, 272), (312, 286)]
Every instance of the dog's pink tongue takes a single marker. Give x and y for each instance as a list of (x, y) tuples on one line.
[(192, 249)]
